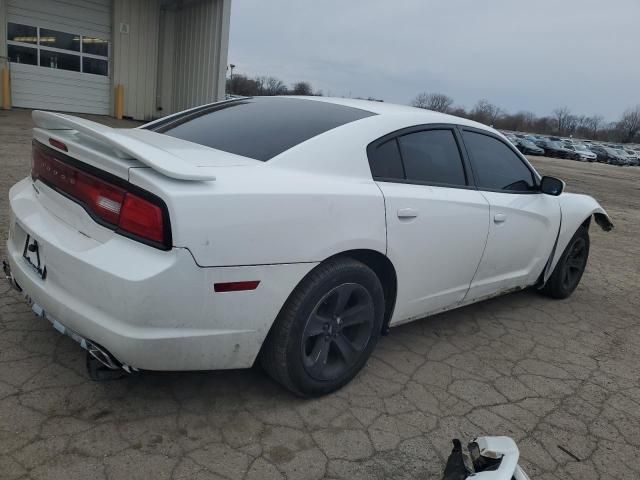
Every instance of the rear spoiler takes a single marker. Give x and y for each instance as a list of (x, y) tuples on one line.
[(123, 146)]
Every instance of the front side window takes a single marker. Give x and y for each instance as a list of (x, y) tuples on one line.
[(496, 166), (432, 156)]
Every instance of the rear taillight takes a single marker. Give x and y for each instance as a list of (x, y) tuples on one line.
[(142, 218), (112, 202)]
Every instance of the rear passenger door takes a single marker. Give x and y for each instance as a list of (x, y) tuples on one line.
[(524, 222), (437, 223)]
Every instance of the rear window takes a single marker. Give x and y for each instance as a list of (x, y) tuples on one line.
[(261, 127)]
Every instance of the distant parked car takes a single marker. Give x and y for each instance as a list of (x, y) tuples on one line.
[(632, 156), (540, 141), (556, 149), (512, 138), (528, 148), (582, 153), (617, 157), (601, 152)]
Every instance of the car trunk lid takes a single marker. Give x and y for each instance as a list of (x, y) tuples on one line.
[(116, 150), (90, 164)]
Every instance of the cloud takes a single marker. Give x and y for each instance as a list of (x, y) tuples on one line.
[(533, 55)]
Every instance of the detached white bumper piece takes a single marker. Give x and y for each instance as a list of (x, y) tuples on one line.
[(488, 458)]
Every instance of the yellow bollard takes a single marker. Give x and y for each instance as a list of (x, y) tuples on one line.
[(6, 89), (119, 101)]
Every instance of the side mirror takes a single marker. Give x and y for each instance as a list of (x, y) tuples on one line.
[(551, 186)]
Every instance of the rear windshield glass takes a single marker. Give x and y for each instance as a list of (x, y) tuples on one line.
[(259, 128)]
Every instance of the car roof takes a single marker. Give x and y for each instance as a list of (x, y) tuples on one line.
[(385, 109)]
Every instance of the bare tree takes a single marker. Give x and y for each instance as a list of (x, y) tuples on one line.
[(571, 124), (271, 86), (438, 102), (486, 112), (458, 111), (562, 117), (242, 85), (629, 124), (595, 123), (301, 88)]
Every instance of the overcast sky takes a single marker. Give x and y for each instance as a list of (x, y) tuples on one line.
[(521, 55)]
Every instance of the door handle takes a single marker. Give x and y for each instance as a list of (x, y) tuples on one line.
[(407, 213), (499, 218)]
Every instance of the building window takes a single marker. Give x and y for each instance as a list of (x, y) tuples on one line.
[(18, 54), (61, 61), (95, 46), (59, 50), (54, 39), (22, 33), (95, 66)]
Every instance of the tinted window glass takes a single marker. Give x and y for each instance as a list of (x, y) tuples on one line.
[(385, 161), (62, 61), (22, 33), (95, 66), (261, 127), (95, 46), (22, 54), (496, 166), (53, 38), (432, 156)]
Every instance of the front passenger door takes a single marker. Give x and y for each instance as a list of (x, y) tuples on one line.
[(524, 222)]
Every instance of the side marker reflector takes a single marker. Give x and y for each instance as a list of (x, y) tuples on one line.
[(58, 144), (235, 286)]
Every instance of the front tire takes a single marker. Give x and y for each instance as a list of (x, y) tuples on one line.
[(568, 272), (327, 329)]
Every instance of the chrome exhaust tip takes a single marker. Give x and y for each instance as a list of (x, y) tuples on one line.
[(103, 356)]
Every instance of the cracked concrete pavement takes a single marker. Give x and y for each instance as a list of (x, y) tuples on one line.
[(560, 377)]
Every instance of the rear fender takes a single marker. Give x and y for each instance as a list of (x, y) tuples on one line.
[(576, 210)]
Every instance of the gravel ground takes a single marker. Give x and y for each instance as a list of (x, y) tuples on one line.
[(561, 377)]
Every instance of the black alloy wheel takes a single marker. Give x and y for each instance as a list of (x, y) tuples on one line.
[(337, 331), (574, 264), (570, 267), (327, 328)]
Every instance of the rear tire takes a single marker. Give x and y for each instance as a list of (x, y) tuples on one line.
[(568, 272), (327, 328)]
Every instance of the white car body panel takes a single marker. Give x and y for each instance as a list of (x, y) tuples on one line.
[(260, 215), (153, 309), (522, 232), (576, 209), (420, 247), (271, 222), (507, 450)]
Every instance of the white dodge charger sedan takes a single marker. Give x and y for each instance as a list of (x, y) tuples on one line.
[(290, 230)]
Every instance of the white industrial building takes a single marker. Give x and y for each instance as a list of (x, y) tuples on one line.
[(70, 55)]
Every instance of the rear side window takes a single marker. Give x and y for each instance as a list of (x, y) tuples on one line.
[(495, 165), (260, 127), (432, 156), (385, 161)]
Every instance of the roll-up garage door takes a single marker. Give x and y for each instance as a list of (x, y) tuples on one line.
[(60, 54)]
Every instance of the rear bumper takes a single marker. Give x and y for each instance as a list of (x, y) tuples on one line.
[(152, 309)]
